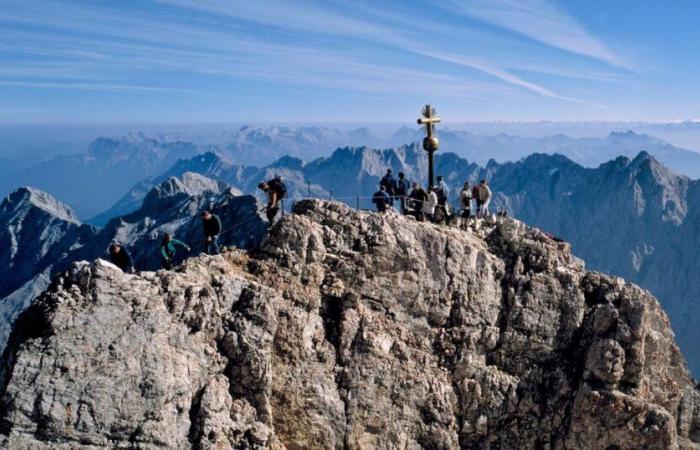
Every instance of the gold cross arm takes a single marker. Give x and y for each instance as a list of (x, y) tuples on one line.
[(430, 120)]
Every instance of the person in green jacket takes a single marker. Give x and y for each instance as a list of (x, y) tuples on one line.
[(168, 248)]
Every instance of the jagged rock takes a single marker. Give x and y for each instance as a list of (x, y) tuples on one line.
[(351, 330), (43, 236)]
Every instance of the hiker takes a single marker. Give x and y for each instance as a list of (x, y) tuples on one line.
[(120, 257), (382, 199), (484, 198), (430, 205), (212, 228), (276, 190), (402, 186), (465, 198), (475, 196), (389, 183), (418, 199), (168, 249), (442, 193)]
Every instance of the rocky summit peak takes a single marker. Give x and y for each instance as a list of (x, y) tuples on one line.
[(28, 196), (350, 329), (187, 185)]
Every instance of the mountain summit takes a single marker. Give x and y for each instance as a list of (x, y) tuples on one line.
[(348, 329)]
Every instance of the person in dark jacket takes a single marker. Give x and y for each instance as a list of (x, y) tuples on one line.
[(382, 199), (276, 191), (417, 198), (212, 229), (168, 250), (402, 188), (389, 183), (121, 258)]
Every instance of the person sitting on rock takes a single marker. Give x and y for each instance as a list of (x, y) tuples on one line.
[(430, 205), (121, 258), (212, 228), (275, 190), (417, 201), (168, 250), (465, 198), (382, 199)]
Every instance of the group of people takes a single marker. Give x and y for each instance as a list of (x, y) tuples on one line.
[(432, 204), (168, 249)]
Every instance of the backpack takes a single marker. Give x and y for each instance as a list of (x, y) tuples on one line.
[(278, 186)]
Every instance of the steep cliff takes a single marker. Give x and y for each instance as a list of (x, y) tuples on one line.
[(351, 330)]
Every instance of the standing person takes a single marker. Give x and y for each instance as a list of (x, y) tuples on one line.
[(465, 198), (475, 196), (121, 258), (484, 197), (402, 186), (168, 250), (418, 199), (382, 199), (212, 228), (389, 183), (430, 205), (275, 190), (443, 193)]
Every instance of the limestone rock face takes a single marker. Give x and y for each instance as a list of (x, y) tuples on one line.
[(350, 330)]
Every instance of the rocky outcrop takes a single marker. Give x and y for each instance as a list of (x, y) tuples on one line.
[(351, 330), (40, 236)]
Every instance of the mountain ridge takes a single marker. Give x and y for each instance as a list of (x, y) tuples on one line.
[(351, 329)]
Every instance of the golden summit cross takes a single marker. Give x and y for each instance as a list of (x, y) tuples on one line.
[(430, 143)]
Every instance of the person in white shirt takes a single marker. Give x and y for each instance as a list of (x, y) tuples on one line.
[(431, 204)]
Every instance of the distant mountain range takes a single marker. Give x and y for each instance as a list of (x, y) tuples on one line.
[(40, 236), (92, 181)]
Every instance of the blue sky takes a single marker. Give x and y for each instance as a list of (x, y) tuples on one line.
[(200, 61)]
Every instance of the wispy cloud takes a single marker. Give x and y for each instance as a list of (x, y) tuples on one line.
[(312, 19), (105, 47), (540, 20), (89, 86)]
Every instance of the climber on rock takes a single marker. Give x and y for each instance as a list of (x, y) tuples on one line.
[(483, 199), (120, 257), (212, 228), (417, 201), (465, 198), (402, 187), (168, 250), (276, 191), (382, 199)]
